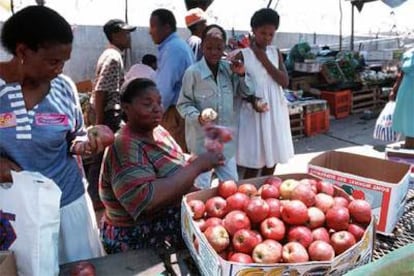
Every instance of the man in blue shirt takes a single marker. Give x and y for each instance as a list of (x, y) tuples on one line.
[(174, 57)]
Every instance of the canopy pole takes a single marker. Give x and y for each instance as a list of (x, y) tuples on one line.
[(351, 46)]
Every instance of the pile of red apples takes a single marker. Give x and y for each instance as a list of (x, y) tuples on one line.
[(290, 221)]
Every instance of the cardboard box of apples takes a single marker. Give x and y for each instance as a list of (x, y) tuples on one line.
[(277, 225)]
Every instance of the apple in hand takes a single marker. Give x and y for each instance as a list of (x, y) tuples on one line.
[(321, 234), (237, 201), (274, 207), (316, 217), (83, 268), (197, 208), (300, 234), (268, 191), (267, 252), (294, 252), (341, 241), (287, 187), (257, 210), (236, 220), (304, 193), (337, 218), (103, 132), (321, 251), (249, 189), (216, 207), (356, 230), (360, 211), (241, 258), (226, 188), (245, 240), (273, 228), (218, 237), (295, 212), (324, 202)]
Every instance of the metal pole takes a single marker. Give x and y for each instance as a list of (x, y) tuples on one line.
[(340, 25), (351, 46)]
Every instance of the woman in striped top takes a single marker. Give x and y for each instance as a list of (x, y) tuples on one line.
[(41, 124), (145, 175)]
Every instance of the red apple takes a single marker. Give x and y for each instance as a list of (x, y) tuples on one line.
[(268, 191), (295, 212), (216, 207), (310, 182), (360, 211), (300, 234), (325, 187), (324, 202), (340, 201), (267, 252), (258, 236), (218, 237), (247, 189), (211, 222), (337, 218), (197, 208), (321, 234), (238, 201), (287, 187), (83, 268), (236, 220), (201, 223), (316, 217), (321, 251), (273, 180), (273, 228), (356, 230), (245, 240), (274, 207), (341, 241), (303, 193), (103, 132), (294, 252), (257, 210), (241, 258), (227, 188)]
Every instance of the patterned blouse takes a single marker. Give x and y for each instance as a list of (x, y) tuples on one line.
[(130, 166)]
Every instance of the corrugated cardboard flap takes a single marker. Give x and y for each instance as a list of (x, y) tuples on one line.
[(364, 166), (7, 264)]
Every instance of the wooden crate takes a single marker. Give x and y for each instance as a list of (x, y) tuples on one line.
[(304, 82), (297, 126), (363, 99)]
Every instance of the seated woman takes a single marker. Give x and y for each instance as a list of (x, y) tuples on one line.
[(144, 176)]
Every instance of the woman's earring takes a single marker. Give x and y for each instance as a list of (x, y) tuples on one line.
[(22, 61)]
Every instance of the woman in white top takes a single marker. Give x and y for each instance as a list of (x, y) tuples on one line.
[(264, 138)]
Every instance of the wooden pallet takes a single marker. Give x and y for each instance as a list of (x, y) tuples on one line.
[(297, 126), (363, 99)]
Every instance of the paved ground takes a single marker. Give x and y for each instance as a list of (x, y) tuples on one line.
[(352, 134)]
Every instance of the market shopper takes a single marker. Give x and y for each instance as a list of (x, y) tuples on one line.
[(45, 126), (403, 93), (264, 139), (174, 57), (196, 22), (212, 83), (144, 176), (145, 69), (105, 94)]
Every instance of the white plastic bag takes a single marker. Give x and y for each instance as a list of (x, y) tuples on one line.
[(383, 127), (29, 219)]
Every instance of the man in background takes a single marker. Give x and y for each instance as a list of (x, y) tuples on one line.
[(174, 57), (145, 69), (106, 91), (196, 22)]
